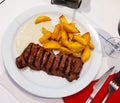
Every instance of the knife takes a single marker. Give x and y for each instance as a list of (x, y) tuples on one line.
[(99, 84)]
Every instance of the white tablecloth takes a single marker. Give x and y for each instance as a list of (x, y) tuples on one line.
[(102, 14)]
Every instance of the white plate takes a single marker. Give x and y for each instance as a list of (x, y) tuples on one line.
[(38, 82)]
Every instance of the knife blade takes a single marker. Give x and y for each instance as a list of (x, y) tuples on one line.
[(99, 84)]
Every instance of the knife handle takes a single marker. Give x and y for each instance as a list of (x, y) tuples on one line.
[(89, 100)]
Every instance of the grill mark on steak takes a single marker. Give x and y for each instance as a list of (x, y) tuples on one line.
[(45, 59), (41, 60), (27, 51), (67, 66), (34, 59), (32, 56), (39, 56), (59, 71), (77, 65), (50, 63), (73, 60), (56, 64), (63, 66)]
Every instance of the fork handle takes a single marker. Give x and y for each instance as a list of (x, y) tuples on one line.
[(105, 98)]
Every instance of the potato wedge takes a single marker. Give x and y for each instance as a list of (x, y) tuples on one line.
[(52, 45), (46, 32), (70, 29), (91, 45), (75, 47), (72, 24), (65, 43), (86, 36), (42, 39), (46, 35), (80, 39), (58, 37), (40, 19), (65, 50), (86, 54), (76, 54), (63, 35), (63, 19), (67, 39), (70, 36), (56, 31)]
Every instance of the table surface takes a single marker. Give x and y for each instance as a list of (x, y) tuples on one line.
[(102, 14)]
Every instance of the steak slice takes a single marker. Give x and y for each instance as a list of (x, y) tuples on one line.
[(39, 58)]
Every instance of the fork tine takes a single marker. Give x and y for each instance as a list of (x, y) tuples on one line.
[(113, 85)]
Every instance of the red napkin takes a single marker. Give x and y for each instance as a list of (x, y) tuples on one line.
[(83, 95)]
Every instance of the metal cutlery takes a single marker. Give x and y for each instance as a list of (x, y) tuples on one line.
[(113, 85), (2, 1), (99, 84)]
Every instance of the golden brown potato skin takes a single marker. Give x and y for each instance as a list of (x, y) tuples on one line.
[(66, 37)]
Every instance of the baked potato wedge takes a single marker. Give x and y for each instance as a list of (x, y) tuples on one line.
[(70, 29), (86, 54), (80, 39), (46, 35), (56, 31), (40, 19), (65, 50), (63, 34), (86, 36), (63, 19), (91, 45), (75, 47), (52, 45)]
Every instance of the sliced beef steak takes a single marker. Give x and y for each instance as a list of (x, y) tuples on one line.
[(39, 58)]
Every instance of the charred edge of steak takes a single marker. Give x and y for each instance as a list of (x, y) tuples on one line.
[(39, 58), (76, 66), (27, 51), (20, 62)]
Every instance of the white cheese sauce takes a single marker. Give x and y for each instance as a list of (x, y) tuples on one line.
[(30, 32)]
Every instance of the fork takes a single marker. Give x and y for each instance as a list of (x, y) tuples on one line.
[(113, 85)]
